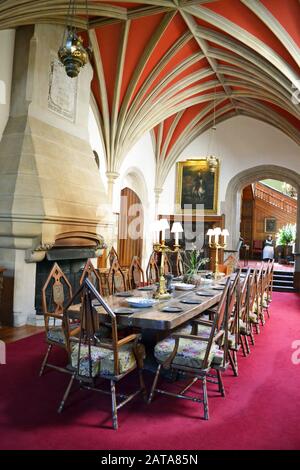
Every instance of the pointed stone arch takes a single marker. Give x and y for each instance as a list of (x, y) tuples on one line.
[(233, 200)]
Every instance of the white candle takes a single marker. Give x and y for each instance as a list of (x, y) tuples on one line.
[(225, 234), (210, 232), (156, 230), (177, 229), (217, 231)]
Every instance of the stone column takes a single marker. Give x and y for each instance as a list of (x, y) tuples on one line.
[(111, 178), (157, 192)]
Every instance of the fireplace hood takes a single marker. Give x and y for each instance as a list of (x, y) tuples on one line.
[(67, 246)]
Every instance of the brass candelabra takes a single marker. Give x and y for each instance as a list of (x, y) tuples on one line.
[(216, 244), (162, 248), (161, 226)]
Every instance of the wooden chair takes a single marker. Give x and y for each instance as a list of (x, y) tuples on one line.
[(179, 264), (136, 274), (167, 265), (116, 278), (270, 281), (92, 274), (257, 305), (56, 292), (248, 318), (263, 292), (112, 254), (194, 356), (224, 268), (266, 288), (231, 342), (152, 271), (93, 360)]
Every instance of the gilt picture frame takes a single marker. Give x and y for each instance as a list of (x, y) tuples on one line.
[(270, 225), (197, 184)]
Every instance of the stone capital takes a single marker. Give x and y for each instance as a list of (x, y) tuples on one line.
[(112, 176)]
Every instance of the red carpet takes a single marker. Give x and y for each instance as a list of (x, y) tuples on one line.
[(277, 267), (261, 410)]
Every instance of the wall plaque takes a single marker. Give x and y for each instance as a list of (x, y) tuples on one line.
[(62, 94)]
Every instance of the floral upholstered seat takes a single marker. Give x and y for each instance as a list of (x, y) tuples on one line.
[(190, 353), (232, 340), (56, 334), (102, 360), (184, 330), (203, 330), (253, 317), (218, 357)]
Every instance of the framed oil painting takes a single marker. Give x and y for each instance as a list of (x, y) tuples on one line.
[(197, 184), (270, 225)]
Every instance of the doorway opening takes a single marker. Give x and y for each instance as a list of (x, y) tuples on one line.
[(268, 223), (131, 227)]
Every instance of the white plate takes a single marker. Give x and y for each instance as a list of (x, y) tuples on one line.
[(140, 302), (183, 286)]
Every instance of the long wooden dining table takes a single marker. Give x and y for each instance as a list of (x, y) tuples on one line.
[(154, 318)]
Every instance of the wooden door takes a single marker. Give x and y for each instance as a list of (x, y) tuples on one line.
[(131, 226)]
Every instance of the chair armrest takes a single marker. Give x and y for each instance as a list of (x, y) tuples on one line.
[(183, 336), (203, 322), (128, 339), (75, 331), (53, 315), (218, 335)]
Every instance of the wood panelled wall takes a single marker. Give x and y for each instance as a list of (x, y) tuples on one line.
[(260, 202), (247, 215), (128, 246)]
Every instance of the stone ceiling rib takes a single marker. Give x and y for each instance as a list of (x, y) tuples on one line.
[(246, 38), (103, 93), (273, 24), (204, 48), (140, 68), (118, 81), (242, 51)]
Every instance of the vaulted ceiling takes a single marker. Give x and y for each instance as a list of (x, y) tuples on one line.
[(160, 65)]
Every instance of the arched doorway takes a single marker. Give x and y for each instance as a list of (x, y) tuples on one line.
[(233, 202), (131, 226), (267, 207)]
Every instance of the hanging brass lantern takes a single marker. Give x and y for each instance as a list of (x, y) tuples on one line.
[(72, 54), (212, 162)]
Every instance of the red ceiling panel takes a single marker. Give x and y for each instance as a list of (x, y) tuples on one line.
[(109, 41), (239, 14), (290, 20), (140, 33)]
